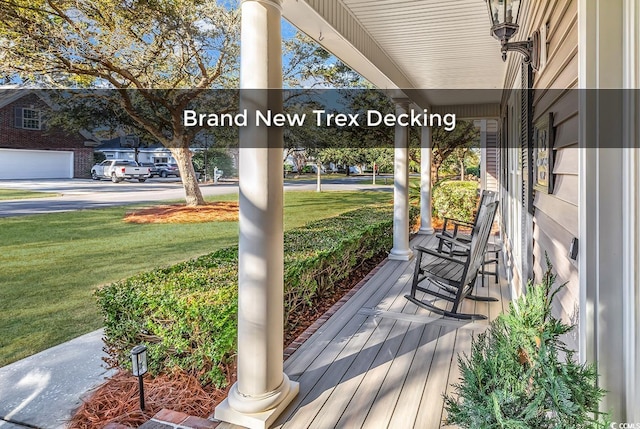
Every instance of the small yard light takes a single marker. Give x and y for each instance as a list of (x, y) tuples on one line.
[(139, 368)]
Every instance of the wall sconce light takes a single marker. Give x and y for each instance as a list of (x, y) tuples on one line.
[(504, 18), (139, 368)]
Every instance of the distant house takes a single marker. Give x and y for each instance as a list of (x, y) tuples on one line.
[(116, 149), (29, 149)]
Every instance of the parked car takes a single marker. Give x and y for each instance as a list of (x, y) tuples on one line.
[(153, 170), (166, 170), (117, 170)]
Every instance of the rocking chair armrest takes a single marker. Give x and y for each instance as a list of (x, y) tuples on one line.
[(438, 255), (457, 222), (454, 241)]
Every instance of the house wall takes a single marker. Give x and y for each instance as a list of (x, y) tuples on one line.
[(143, 156), (555, 214), (44, 139)]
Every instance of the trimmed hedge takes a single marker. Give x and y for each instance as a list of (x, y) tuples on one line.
[(186, 314), (455, 199)]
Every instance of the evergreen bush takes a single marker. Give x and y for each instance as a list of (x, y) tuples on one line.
[(455, 199), (521, 375), (186, 314)]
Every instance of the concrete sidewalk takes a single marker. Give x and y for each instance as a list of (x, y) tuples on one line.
[(43, 390)]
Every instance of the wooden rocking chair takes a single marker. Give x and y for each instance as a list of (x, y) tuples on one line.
[(452, 227), (452, 278)]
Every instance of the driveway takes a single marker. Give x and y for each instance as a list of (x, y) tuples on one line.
[(79, 194)]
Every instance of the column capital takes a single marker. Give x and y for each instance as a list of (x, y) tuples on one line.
[(275, 3), (401, 102)]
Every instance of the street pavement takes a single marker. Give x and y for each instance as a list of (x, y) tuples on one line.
[(81, 194)]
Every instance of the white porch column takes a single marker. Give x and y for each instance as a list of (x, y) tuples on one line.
[(401, 250), (425, 182), (262, 390), (609, 204)]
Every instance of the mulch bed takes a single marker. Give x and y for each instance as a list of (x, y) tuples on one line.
[(117, 400), (222, 211)]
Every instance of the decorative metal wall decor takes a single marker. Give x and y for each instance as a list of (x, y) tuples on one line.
[(543, 154)]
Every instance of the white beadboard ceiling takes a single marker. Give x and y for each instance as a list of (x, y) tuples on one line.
[(433, 44), (436, 43)]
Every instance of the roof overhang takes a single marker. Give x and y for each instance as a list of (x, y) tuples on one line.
[(417, 46)]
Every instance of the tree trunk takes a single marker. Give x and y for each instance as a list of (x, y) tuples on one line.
[(193, 196)]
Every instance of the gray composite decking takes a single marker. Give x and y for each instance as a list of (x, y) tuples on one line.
[(381, 361)]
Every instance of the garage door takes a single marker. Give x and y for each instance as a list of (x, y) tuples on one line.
[(35, 164)]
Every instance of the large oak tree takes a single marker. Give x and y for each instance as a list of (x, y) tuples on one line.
[(134, 47)]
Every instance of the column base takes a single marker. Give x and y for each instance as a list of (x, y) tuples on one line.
[(426, 231), (401, 255), (261, 420)]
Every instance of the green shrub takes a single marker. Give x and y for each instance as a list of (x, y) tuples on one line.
[(186, 314), (516, 377), (455, 199), (473, 171)]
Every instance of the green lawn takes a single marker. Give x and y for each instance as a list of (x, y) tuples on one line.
[(51, 264), (19, 194)]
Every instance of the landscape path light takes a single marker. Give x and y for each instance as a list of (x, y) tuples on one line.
[(139, 368)]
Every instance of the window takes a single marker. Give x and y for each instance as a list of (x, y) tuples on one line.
[(28, 118), (31, 119)]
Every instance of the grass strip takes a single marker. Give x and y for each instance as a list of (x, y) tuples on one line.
[(19, 194)]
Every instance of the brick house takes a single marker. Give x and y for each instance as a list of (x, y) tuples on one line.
[(31, 150)]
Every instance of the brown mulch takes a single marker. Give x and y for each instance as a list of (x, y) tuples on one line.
[(117, 401), (221, 211)]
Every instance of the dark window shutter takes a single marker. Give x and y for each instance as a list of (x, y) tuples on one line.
[(526, 144), (17, 115)]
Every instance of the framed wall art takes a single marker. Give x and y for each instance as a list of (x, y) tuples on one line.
[(543, 154)]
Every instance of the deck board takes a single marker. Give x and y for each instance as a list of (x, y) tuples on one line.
[(317, 385), (381, 361), (345, 389), (406, 409), (385, 402), (363, 399), (430, 410)]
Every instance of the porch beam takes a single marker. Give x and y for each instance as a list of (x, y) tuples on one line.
[(401, 250), (262, 390), (425, 181), (470, 110), (331, 24)]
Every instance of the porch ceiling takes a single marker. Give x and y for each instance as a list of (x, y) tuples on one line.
[(408, 44)]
